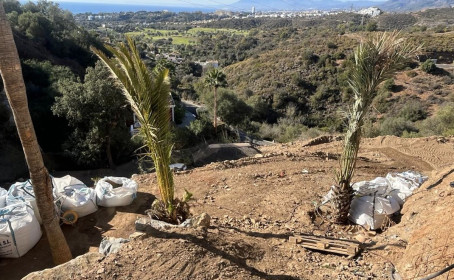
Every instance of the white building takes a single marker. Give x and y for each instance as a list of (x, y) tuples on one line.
[(372, 12)]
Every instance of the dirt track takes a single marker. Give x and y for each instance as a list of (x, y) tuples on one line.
[(256, 203)]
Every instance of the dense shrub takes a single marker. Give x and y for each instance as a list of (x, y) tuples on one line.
[(413, 111), (429, 66), (411, 74), (396, 126), (183, 138)]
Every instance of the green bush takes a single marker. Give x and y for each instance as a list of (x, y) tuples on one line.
[(411, 74), (429, 66), (202, 127), (381, 101), (183, 138), (371, 26), (396, 126), (370, 129), (282, 132), (232, 110), (389, 85), (332, 45), (413, 111)]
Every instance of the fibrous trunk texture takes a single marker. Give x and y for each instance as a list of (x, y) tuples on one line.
[(11, 72)]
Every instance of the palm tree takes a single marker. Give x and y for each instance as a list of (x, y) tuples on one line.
[(148, 95), (11, 72), (376, 60), (215, 78)]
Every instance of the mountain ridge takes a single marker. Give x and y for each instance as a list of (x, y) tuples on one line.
[(390, 5), (415, 5), (267, 5)]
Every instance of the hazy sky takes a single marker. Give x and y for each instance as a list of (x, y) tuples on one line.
[(154, 2), (166, 2)]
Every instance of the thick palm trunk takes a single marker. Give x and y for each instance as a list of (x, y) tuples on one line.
[(343, 193), (11, 72), (215, 122)]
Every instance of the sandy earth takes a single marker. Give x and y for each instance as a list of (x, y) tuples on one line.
[(256, 203)]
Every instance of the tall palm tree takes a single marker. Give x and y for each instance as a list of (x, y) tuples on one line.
[(11, 72), (376, 60), (148, 95), (215, 78)]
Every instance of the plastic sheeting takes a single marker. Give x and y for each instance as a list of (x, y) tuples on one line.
[(402, 185), (371, 211), (376, 199), (3, 195), (19, 230), (115, 191), (178, 167), (111, 245), (23, 192), (71, 194)]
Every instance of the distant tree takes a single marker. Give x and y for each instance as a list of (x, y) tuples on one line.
[(232, 110), (97, 111), (215, 78)]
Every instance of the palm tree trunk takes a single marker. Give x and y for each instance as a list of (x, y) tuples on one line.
[(11, 72), (215, 122), (343, 192)]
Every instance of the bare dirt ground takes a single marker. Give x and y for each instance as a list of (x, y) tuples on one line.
[(256, 203)]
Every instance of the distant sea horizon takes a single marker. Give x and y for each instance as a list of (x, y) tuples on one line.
[(96, 8)]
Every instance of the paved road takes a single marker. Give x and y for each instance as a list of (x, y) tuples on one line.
[(445, 66), (190, 114)]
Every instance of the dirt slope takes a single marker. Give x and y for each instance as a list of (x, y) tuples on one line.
[(257, 203)]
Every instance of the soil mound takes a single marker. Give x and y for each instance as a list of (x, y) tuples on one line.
[(256, 203)]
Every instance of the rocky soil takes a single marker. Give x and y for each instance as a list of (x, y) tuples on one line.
[(256, 203)]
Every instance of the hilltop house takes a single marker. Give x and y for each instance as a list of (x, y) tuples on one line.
[(208, 64)]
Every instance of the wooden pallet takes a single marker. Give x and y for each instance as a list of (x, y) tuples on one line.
[(344, 247)]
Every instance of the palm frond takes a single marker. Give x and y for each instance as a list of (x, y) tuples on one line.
[(148, 94), (376, 60)]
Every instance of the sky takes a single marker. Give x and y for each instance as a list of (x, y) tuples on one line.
[(163, 3), (153, 2)]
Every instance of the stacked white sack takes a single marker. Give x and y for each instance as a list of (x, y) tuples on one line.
[(402, 185), (3, 195), (371, 211), (109, 196), (23, 192), (376, 199), (19, 230), (71, 194)]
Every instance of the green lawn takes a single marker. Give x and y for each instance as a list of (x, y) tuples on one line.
[(215, 30), (182, 38), (179, 40)]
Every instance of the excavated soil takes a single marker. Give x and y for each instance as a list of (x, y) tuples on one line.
[(256, 203)]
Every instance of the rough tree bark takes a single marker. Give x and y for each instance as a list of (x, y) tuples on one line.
[(11, 73)]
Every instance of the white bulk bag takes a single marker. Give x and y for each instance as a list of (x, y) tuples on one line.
[(364, 212), (378, 186), (403, 184), (3, 195), (109, 196), (19, 230), (23, 192), (71, 194)]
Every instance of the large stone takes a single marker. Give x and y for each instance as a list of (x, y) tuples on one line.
[(67, 270), (142, 224), (201, 221)]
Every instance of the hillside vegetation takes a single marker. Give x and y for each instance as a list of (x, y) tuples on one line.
[(287, 77)]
